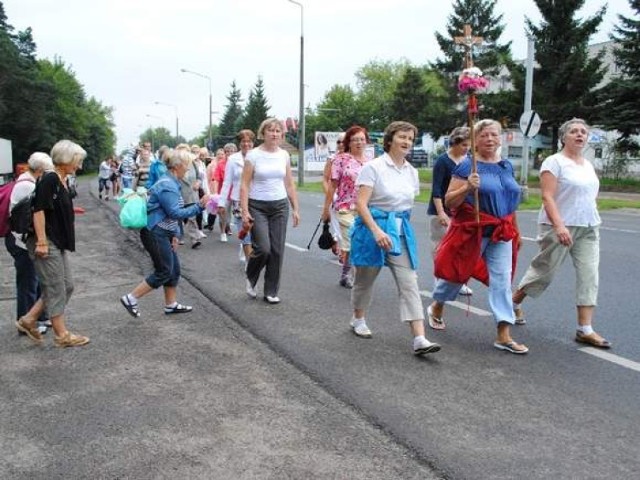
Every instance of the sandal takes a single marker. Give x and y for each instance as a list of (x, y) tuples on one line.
[(30, 331), (437, 323), (132, 308), (592, 339), (511, 347), (178, 308)]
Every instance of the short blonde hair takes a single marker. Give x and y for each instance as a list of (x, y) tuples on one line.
[(66, 152), (177, 157), (40, 161), (484, 124), (268, 122)]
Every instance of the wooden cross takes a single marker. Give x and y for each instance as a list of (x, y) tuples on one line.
[(468, 41)]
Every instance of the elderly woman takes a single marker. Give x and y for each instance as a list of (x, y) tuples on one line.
[(160, 237), (231, 188), (53, 223), (266, 190), (30, 308), (344, 172), (568, 225), (489, 257), (439, 215), (382, 234)]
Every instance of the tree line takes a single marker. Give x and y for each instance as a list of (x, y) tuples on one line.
[(41, 102)]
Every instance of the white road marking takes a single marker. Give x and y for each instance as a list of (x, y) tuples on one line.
[(621, 230), (295, 247), (461, 305), (610, 357), (528, 238)]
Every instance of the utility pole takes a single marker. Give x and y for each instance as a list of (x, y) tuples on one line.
[(528, 96)]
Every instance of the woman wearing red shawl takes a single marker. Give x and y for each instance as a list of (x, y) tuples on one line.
[(486, 249)]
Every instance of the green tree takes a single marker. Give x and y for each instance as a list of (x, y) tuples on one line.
[(233, 112), (621, 102), (100, 138), (158, 136), (566, 76), (479, 14), (257, 107), (377, 82)]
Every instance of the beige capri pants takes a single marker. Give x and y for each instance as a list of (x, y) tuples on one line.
[(345, 219), (585, 254), (406, 282)]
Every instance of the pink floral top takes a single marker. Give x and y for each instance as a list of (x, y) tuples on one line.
[(345, 170)]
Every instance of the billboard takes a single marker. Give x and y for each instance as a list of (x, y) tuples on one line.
[(6, 158)]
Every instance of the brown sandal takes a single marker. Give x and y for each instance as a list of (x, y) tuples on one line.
[(592, 339), (30, 331)]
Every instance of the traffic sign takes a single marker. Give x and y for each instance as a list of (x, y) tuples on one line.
[(530, 123)]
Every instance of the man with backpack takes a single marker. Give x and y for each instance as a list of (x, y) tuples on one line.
[(29, 306)]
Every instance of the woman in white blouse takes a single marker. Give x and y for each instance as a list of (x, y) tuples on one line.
[(266, 190), (568, 224)]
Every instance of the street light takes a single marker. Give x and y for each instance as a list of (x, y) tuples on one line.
[(184, 70), (301, 123), (176, 110), (151, 129)]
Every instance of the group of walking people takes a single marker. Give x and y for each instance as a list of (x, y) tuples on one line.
[(474, 231)]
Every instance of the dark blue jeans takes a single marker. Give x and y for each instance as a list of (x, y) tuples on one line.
[(166, 266), (27, 284)]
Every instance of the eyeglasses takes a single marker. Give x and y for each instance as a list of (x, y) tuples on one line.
[(339, 142)]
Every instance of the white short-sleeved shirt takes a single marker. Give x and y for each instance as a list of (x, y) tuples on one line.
[(394, 189), (269, 170), (576, 193)]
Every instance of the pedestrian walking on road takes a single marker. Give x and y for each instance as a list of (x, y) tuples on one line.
[(266, 190), (439, 214), (488, 254), (344, 172), (30, 313), (231, 190), (568, 225), (54, 238), (382, 234), (166, 211)]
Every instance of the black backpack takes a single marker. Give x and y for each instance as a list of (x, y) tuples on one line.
[(21, 216)]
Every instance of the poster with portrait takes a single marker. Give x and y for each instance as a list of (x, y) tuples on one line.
[(325, 145)]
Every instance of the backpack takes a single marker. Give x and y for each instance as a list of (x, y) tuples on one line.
[(21, 215), (5, 202)]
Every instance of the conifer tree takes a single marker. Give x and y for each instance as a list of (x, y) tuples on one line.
[(233, 112), (257, 107)]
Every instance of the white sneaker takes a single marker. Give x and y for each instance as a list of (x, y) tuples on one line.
[(251, 290), (422, 346), (241, 255), (223, 237), (465, 291), (202, 234), (360, 328), (272, 300)]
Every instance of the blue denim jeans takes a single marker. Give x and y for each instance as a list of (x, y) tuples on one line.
[(27, 284), (498, 259), (166, 266), (127, 182)]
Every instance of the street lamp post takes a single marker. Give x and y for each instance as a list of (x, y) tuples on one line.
[(176, 110), (301, 122), (151, 129), (184, 70)]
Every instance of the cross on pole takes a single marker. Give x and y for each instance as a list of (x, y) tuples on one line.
[(467, 40)]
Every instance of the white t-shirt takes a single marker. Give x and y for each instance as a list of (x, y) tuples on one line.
[(105, 170), (394, 189), (269, 170), (576, 192), (232, 177), (25, 184)]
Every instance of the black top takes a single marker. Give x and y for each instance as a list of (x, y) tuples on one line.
[(52, 197), (442, 170)]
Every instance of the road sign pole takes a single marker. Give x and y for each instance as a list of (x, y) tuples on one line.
[(528, 94)]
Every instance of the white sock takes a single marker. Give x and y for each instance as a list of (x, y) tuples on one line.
[(417, 339), (171, 305), (358, 321), (586, 329), (132, 300)]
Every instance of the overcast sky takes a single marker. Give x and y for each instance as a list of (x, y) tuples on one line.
[(128, 53)]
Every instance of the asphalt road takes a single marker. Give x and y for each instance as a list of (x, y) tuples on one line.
[(466, 412), (469, 411)]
